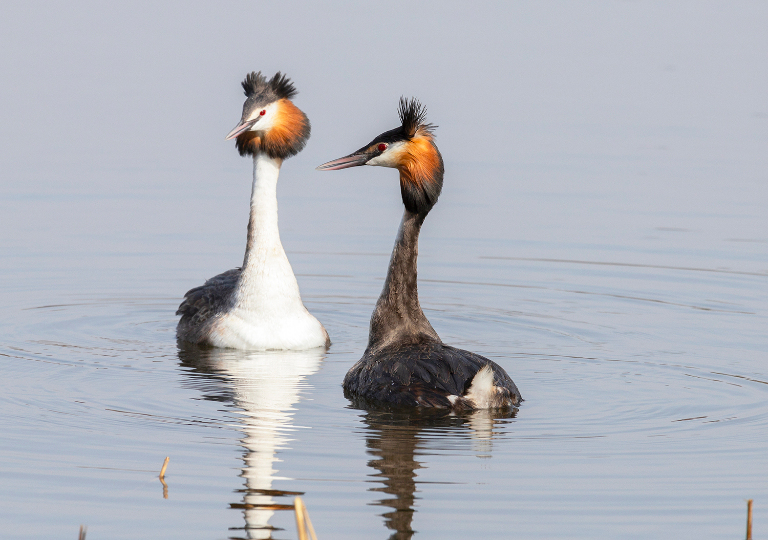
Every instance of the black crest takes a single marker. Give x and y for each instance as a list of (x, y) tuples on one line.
[(412, 115), (279, 86)]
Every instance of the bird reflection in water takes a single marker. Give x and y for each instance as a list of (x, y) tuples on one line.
[(394, 439), (265, 386)]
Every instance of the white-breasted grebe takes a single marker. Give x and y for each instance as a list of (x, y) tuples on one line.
[(258, 306), (406, 363)]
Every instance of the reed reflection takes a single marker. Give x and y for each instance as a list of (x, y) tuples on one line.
[(264, 386), (396, 439)]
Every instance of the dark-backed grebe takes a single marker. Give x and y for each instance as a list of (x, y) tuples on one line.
[(258, 306), (406, 363)]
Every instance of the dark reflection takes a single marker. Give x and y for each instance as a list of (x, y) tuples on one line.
[(264, 386), (395, 439)]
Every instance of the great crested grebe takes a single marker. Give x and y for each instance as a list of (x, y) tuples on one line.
[(406, 363), (258, 306)]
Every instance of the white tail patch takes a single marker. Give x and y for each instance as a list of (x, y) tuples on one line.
[(481, 392)]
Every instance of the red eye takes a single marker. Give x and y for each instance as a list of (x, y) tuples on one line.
[(382, 147), (263, 112)]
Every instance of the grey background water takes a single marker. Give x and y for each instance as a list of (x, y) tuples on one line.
[(602, 234)]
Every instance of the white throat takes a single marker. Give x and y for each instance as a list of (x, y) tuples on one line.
[(263, 233), (267, 281)]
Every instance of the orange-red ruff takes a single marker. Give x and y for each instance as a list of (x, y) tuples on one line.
[(420, 162), (286, 138)]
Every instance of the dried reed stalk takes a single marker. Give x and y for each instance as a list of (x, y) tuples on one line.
[(303, 523)]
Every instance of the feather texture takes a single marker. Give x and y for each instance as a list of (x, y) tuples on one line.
[(425, 375), (279, 86)]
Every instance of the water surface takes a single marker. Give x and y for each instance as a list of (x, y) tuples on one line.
[(602, 235)]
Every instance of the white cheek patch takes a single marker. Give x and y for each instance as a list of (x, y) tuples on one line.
[(267, 120), (391, 156)]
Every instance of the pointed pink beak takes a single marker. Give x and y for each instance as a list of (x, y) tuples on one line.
[(352, 160), (240, 128)]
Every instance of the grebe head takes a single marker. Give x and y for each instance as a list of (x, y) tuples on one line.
[(409, 148), (271, 123)]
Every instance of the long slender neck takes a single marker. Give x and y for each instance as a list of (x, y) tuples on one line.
[(267, 283), (263, 234), (398, 317)]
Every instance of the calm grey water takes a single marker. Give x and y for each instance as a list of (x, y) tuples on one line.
[(602, 235)]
